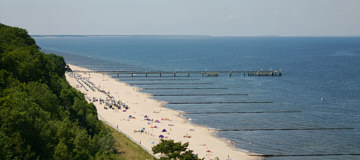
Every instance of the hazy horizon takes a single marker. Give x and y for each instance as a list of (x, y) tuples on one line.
[(330, 18)]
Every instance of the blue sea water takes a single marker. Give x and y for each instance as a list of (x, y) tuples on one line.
[(320, 82)]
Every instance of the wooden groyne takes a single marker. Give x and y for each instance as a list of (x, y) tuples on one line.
[(197, 88), (288, 129), (255, 112), (185, 73), (230, 102), (164, 79), (307, 155), (205, 94), (167, 83)]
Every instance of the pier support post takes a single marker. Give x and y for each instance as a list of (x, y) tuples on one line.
[(117, 74), (132, 74), (160, 74), (188, 74)]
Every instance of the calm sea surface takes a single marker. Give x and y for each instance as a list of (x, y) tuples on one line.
[(320, 86)]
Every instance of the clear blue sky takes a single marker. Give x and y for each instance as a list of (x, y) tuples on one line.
[(185, 17)]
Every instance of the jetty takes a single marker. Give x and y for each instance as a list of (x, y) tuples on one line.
[(184, 73)]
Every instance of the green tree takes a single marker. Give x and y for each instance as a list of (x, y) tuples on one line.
[(62, 152), (42, 116), (171, 150)]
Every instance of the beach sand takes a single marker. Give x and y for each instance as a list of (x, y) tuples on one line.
[(201, 139)]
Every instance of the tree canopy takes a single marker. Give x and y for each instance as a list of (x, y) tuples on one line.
[(41, 115), (171, 150)]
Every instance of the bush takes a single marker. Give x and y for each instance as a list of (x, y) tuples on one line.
[(170, 150)]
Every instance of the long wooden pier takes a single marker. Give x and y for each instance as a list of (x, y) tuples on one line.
[(186, 73)]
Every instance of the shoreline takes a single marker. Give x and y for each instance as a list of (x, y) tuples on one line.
[(202, 140)]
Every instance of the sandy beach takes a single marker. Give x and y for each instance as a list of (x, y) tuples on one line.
[(145, 119)]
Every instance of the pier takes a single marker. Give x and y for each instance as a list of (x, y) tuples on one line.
[(185, 73)]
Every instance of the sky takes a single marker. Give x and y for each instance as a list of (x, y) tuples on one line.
[(184, 17)]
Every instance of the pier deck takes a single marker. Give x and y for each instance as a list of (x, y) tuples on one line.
[(186, 73)]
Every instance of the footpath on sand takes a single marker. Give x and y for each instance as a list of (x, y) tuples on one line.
[(145, 120)]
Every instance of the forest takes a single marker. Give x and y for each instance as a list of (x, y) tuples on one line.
[(41, 115)]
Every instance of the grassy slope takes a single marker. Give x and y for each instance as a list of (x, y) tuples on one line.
[(128, 149)]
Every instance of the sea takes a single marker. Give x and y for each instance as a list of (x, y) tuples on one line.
[(312, 111)]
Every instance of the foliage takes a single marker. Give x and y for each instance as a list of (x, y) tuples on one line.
[(128, 149), (174, 150), (42, 116)]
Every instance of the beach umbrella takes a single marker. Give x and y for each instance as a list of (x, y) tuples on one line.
[(143, 128), (157, 121), (161, 136), (145, 116), (164, 130)]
